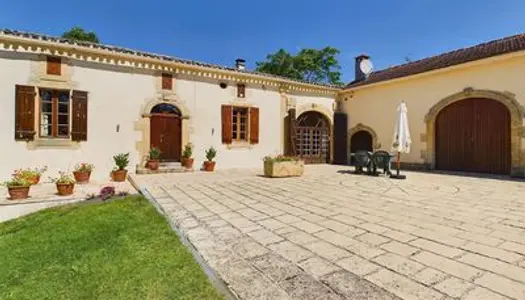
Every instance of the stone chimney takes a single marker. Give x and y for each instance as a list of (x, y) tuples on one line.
[(240, 64), (359, 75)]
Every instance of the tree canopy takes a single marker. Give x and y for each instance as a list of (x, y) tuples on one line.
[(314, 65), (79, 34)]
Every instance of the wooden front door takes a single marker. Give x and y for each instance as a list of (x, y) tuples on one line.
[(473, 135), (166, 135), (313, 138)]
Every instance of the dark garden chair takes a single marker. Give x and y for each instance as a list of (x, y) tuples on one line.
[(381, 160), (362, 160)]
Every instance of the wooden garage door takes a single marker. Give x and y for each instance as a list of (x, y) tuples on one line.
[(473, 135)]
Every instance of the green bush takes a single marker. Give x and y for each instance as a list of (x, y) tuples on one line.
[(121, 160), (211, 153)]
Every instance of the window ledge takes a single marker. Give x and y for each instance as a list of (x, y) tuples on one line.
[(52, 144), (240, 145)]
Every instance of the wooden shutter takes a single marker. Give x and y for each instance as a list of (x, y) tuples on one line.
[(79, 116), (226, 112), (254, 125), (167, 81), (54, 65), (24, 112), (340, 138), (291, 133)]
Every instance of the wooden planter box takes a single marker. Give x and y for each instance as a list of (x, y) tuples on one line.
[(284, 169)]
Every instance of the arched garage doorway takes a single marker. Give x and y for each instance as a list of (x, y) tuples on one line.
[(474, 135), (165, 131), (313, 137), (361, 140)]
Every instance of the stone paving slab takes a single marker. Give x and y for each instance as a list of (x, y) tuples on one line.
[(334, 235)]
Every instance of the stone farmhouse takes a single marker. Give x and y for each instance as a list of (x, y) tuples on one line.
[(64, 102)]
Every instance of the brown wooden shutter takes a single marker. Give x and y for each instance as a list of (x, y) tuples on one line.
[(54, 65), (167, 81), (79, 116), (24, 112), (226, 111), (340, 138), (291, 131), (254, 125)]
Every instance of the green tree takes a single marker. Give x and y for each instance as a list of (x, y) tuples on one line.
[(79, 34), (314, 65)]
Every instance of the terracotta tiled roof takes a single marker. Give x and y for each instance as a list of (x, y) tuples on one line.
[(456, 57), (110, 48)]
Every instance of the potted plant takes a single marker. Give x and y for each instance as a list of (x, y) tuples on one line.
[(283, 166), (65, 184), (119, 172), (18, 188), (32, 175), (82, 172), (187, 160), (153, 159), (209, 164)]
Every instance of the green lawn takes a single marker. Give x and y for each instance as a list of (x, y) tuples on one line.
[(121, 249)]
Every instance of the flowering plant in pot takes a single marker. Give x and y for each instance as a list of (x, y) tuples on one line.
[(30, 174), (153, 159), (209, 164), (17, 187), (187, 160), (65, 184), (119, 172), (82, 172)]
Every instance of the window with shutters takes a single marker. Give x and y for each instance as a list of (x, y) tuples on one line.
[(54, 113), (54, 65), (241, 90), (240, 124)]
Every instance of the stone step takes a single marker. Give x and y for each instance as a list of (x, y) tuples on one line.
[(164, 167)]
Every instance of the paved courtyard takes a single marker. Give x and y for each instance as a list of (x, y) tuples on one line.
[(334, 235)]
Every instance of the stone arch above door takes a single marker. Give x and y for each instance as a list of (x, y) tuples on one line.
[(517, 114), (143, 124), (361, 127)]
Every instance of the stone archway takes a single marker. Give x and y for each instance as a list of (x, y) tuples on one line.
[(359, 128), (517, 113), (144, 124)]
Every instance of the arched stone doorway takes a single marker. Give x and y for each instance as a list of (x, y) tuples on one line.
[(166, 131), (473, 135), (361, 140), (313, 137), (516, 114)]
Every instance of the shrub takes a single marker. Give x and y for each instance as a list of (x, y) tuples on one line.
[(279, 158), (63, 178), (121, 160), (84, 167), (211, 153), (16, 182), (107, 192), (188, 150), (154, 153)]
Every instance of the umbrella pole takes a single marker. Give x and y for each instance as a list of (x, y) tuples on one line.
[(398, 162)]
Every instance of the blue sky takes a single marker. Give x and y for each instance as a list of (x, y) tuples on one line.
[(220, 31)]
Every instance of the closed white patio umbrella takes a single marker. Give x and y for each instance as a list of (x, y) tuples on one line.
[(401, 141)]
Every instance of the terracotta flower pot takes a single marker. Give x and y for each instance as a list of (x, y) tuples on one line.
[(152, 165), (34, 180), (119, 175), (209, 166), (65, 189), (82, 177), (187, 162), (18, 192)]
